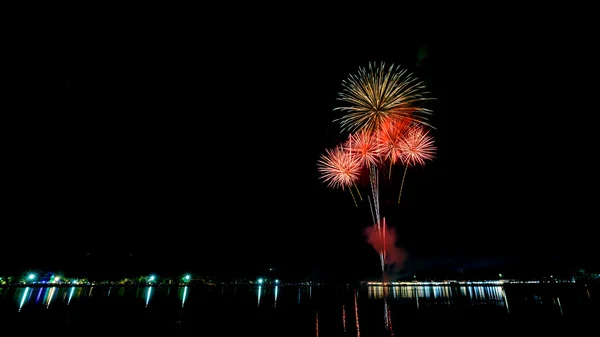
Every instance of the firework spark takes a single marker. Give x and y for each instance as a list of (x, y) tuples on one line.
[(417, 147), (338, 168), (390, 137), (365, 147), (385, 122), (377, 94)]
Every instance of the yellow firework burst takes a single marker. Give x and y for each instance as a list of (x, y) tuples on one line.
[(377, 94)]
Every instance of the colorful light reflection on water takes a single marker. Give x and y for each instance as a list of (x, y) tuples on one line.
[(24, 297), (442, 294), (184, 293), (352, 313), (148, 295)]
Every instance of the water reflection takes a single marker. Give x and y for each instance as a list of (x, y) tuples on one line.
[(317, 323), (505, 300), (184, 292), (145, 293), (148, 295), (356, 313), (71, 292), (271, 293), (39, 295), (351, 312), (442, 294), (24, 296), (387, 316), (259, 295), (559, 306), (344, 317), (49, 296), (304, 293)]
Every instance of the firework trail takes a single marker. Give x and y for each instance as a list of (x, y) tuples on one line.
[(387, 126)]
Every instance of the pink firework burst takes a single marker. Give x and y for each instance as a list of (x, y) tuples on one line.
[(417, 147), (365, 147), (339, 168)]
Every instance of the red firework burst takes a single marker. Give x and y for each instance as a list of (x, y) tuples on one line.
[(390, 138), (417, 147), (365, 147), (339, 168)]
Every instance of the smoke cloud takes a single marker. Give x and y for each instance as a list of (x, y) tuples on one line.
[(394, 256)]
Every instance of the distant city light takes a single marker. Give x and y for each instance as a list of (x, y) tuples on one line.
[(152, 277), (260, 281), (31, 276), (276, 281)]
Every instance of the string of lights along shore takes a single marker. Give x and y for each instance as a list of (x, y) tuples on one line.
[(385, 126)]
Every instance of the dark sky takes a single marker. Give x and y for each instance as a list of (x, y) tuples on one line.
[(197, 150)]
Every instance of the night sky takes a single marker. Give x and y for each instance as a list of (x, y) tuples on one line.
[(178, 149)]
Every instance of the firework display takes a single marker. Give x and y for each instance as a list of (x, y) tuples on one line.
[(386, 126)]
